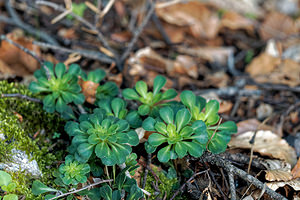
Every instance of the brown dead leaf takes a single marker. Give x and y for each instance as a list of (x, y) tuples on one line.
[(185, 65), (225, 107), (252, 125), (235, 21), (277, 170), (203, 23), (296, 170), (295, 184), (121, 37), (277, 25), (19, 62), (269, 69), (89, 89), (267, 143)]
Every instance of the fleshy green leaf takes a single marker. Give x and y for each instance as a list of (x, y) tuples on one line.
[(183, 117), (40, 188), (144, 110), (166, 113), (149, 124), (10, 197), (5, 178), (96, 76), (130, 94), (169, 94), (85, 150), (159, 82), (142, 88), (60, 69), (188, 98), (180, 149), (164, 154), (156, 139), (211, 108)]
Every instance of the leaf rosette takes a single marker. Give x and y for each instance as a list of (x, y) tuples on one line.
[(72, 172), (175, 130), (151, 101), (219, 134), (60, 90), (108, 137)]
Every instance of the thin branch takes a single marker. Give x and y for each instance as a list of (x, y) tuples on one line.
[(21, 96), (190, 179), (218, 161), (77, 17), (28, 28), (137, 32), (147, 170), (85, 53), (81, 189), (232, 186)]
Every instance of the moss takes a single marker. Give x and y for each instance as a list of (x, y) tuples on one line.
[(19, 134), (168, 185)]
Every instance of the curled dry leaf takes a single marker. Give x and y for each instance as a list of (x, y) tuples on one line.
[(147, 59), (266, 143), (296, 170), (295, 184), (277, 25), (268, 69), (252, 125), (277, 170), (235, 21), (89, 89), (18, 61), (202, 22)]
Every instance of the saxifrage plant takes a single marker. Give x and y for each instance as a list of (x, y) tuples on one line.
[(106, 136), (8, 186), (175, 130), (60, 90), (72, 172), (151, 101), (219, 134)]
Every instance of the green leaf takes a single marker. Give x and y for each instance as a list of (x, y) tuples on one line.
[(198, 125), (135, 193), (169, 94), (142, 88), (211, 108), (149, 148), (144, 110), (186, 132), (134, 119), (10, 197), (229, 126), (5, 178), (159, 82), (166, 113), (149, 124), (40, 188), (180, 149), (201, 137), (194, 149), (61, 106), (85, 150), (130, 94), (106, 192), (117, 105), (34, 87), (133, 138), (183, 117), (156, 139), (164, 154), (116, 195), (11, 187), (161, 128), (60, 69), (188, 98), (74, 69), (96, 76)]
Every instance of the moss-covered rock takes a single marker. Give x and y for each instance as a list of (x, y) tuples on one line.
[(25, 127)]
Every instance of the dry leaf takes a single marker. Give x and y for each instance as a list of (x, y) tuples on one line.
[(89, 89), (267, 143), (296, 170), (251, 125), (121, 37), (185, 65), (277, 25), (268, 69), (203, 23), (277, 170), (20, 62), (295, 184), (235, 21)]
